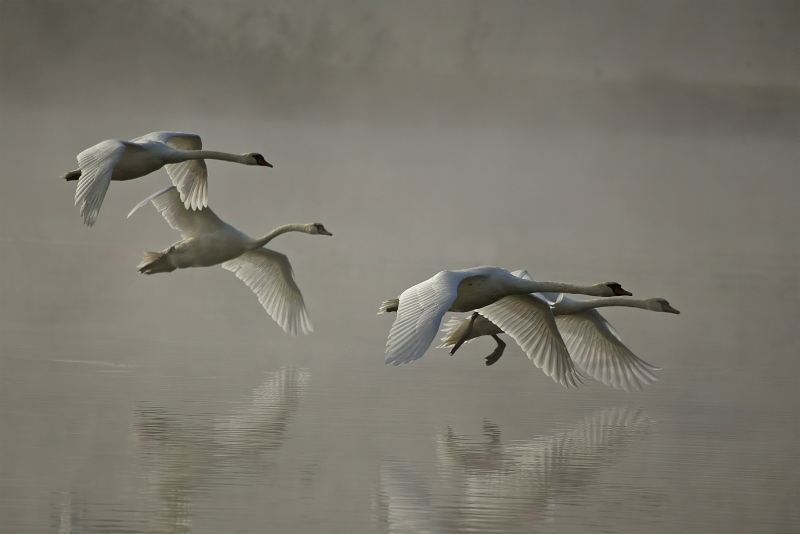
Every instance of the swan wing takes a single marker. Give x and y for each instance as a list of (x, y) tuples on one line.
[(190, 176), (522, 273), (97, 165), (599, 353), (188, 223), (269, 275), (419, 315), (179, 140), (530, 322)]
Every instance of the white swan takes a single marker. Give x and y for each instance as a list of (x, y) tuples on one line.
[(420, 309), (594, 346), (125, 160), (207, 240)]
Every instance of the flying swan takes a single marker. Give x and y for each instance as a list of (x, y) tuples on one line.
[(208, 240), (595, 347), (420, 309), (125, 160)]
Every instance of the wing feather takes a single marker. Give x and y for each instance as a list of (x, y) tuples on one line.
[(529, 321), (188, 223), (191, 176), (269, 275), (598, 352), (97, 165), (418, 317), (179, 140)]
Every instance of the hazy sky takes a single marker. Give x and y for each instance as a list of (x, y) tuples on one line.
[(725, 42), (749, 42)]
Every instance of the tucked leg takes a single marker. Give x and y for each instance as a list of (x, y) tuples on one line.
[(498, 351)]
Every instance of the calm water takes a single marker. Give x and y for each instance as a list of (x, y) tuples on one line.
[(173, 404)]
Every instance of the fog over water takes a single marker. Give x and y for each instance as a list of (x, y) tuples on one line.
[(653, 144)]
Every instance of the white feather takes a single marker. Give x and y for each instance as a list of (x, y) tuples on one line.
[(600, 354), (269, 275), (421, 308), (208, 240), (117, 160), (529, 321)]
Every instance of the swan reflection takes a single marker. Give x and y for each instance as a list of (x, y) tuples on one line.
[(185, 455), (485, 485)]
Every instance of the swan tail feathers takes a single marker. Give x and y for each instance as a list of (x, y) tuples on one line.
[(454, 329), (388, 306), (155, 262), (72, 175)]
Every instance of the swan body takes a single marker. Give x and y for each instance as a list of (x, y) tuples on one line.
[(181, 153), (208, 240), (420, 309), (593, 344)]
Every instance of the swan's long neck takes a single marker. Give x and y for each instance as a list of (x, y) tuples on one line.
[(576, 306), (210, 154), (261, 241), (597, 290)]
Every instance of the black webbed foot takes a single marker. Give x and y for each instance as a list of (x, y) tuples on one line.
[(498, 351)]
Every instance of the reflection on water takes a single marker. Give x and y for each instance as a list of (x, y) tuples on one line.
[(74, 515), (489, 486), (185, 455)]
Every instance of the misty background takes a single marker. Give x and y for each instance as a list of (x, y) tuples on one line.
[(650, 143)]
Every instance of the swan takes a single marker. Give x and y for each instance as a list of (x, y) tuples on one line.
[(207, 240), (125, 160), (420, 309), (594, 346)]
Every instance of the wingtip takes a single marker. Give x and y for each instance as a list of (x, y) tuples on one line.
[(393, 360), (89, 219)]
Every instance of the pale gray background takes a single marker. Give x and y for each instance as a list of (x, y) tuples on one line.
[(651, 143)]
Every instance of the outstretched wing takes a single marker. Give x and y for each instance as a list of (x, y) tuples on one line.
[(188, 223), (191, 176), (97, 165), (418, 317), (599, 353), (530, 322), (269, 275)]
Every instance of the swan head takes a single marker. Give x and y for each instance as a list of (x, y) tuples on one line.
[(316, 229), (254, 158), (616, 290), (660, 305)]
